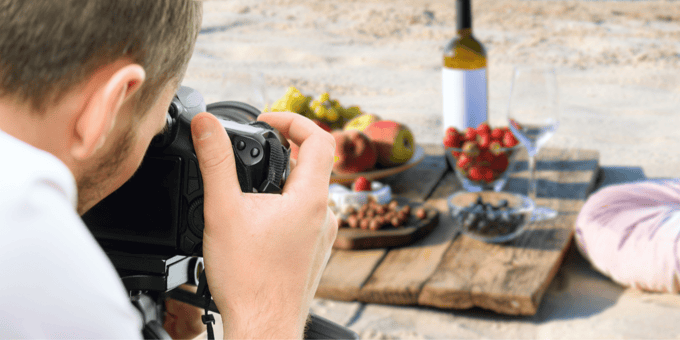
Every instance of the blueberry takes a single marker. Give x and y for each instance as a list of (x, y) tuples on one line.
[(503, 204), (478, 210)]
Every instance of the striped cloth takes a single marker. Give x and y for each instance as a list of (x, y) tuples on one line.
[(630, 232)]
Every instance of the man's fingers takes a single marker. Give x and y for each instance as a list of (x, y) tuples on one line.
[(315, 157), (216, 160)]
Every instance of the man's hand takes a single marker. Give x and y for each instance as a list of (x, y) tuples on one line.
[(264, 254), (182, 320)]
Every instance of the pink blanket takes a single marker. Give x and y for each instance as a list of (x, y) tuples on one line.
[(630, 233)]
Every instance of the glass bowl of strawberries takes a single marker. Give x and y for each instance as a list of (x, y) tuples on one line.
[(482, 156)]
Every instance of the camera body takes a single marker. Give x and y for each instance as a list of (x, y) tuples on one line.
[(159, 210)]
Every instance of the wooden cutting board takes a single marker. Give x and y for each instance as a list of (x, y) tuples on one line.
[(389, 237)]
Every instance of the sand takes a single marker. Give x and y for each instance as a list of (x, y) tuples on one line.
[(618, 66)]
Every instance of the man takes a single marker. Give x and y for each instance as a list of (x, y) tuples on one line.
[(84, 86)]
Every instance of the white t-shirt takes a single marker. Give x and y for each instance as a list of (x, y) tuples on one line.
[(55, 280)]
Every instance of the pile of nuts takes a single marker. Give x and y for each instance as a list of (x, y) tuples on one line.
[(374, 216)]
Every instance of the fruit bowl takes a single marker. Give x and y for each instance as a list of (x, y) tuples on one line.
[(489, 216), (482, 170)]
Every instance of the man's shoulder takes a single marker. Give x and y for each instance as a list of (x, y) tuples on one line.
[(57, 281), (25, 166)]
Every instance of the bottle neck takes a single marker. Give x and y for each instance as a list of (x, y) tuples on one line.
[(464, 12), (465, 32)]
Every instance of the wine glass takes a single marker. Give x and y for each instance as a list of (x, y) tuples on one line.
[(533, 116)]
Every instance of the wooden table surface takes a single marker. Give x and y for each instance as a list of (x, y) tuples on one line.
[(451, 271)]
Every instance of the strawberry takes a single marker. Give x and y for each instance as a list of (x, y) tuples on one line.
[(456, 154), (485, 157), (497, 134), (362, 184), (452, 140), (470, 134), (475, 174), (500, 163), (484, 140), (452, 131), (509, 140), (471, 149), (487, 175), (495, 147), (463, 161), (483, 129)]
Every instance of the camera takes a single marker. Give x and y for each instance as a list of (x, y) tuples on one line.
[(159, 210), (151, 228)]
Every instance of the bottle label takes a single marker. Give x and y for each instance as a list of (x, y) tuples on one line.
[(464, 94)]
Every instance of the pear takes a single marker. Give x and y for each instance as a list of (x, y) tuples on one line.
[(361, 122)]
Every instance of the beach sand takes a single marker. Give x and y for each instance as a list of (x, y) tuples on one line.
[(618, 68)]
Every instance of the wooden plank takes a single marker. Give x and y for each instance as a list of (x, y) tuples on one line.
[(418, 182), (511, 278), (348, 270), (401, 275)]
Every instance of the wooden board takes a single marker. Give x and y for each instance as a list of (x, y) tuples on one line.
[(448, 271), (511, 278), (389, 237), (400, 276), (348, 270)]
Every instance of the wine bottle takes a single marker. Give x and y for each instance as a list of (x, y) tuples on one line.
[(464, 88)]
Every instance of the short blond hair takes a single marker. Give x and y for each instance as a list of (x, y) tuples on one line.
[(47, 47)]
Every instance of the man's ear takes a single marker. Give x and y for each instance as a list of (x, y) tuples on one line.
[(108, 91)]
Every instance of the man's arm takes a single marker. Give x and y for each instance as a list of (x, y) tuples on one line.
[(264, 254)]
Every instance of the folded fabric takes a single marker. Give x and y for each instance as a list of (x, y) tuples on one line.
[(631, 233)]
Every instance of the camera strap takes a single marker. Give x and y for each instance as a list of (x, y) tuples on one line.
[(204, 291)]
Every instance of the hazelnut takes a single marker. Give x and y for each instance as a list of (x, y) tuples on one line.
[(353, 221), (396, 222), (421, 213), (363, 223)]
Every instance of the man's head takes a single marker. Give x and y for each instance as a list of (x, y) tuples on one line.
[(90, 80)]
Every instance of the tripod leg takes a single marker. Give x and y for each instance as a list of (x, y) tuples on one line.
[(154, 330)]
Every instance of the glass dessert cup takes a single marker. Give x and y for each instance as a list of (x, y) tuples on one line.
[(489, 216)]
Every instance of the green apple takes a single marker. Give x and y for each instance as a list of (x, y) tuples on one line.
[(393, 141)]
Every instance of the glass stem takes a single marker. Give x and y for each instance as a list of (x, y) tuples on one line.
[(531, 192)]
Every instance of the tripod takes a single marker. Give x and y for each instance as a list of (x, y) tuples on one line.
[(150, 279)]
